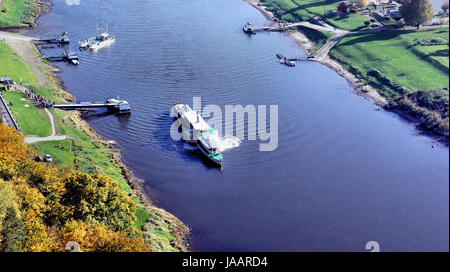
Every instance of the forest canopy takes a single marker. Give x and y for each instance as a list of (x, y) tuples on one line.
[(42, 208)]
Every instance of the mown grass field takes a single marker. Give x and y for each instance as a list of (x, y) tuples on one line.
[(304, 10), (59, 150), (32, 120), (18, 13), (299, 10), (398, 56), (13, 66), (351, 22)]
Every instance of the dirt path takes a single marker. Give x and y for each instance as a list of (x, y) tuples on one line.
[(53, 137), (24, 47)]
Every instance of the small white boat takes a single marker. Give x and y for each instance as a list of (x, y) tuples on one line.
[(97, 42), (104, 40), (248, 28)]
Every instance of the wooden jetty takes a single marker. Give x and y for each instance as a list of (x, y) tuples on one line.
[(56, 38), (114, 104), (66, 56)]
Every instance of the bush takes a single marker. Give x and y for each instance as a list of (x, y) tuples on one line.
[(342, 7), (367, 22), (372, 20), (353, 10), (387, 18), (430, 107)]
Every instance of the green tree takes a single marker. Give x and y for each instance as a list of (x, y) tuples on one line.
[(98, 199), (417, 12), (362, 3), (13, 232)]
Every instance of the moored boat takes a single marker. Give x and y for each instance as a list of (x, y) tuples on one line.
[(97, 42), (249, 28)]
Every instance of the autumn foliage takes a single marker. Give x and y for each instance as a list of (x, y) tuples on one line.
[(42, 208)]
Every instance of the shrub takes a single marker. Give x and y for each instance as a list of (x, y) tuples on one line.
[(342, 7), (367, 22), (430, 107)]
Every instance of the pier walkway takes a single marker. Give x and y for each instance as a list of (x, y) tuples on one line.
[(85, 105)]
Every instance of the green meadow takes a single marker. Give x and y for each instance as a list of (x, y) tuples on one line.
[(16, 13), (416, 60), (299, 10), (14, 66), (32, 120)]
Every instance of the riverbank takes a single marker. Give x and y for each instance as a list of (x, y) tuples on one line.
[(307, 44), (85, 150), (17, 14), (379, 74)]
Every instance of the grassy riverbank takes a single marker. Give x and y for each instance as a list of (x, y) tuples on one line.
[(413, 59), (401, 63), (85, 150), (318, 37), (398, 63), (13, 65), (19, 13), (299, 10)]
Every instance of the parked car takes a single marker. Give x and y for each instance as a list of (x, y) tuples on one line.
[(48, 158)]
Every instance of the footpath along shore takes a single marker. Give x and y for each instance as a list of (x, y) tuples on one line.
[(306, 44), (177, 234)]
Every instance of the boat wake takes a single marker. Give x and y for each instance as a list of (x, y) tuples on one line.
[(228, 142)]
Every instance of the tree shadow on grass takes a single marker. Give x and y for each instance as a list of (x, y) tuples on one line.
[(373, 36), (439, 53), (310, 5)]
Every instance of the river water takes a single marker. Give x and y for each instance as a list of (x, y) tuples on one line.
[(343, 173)]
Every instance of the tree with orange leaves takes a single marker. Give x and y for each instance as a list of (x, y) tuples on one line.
[(42, 207)]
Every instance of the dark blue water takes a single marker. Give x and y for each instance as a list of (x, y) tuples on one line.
[(343, 174)]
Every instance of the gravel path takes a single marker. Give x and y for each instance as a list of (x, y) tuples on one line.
[(24, 47), (53, 137)]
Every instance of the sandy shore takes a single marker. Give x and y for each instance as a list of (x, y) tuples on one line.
[(306, 44)]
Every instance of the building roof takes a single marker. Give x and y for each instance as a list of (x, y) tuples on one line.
[(198, 123)]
